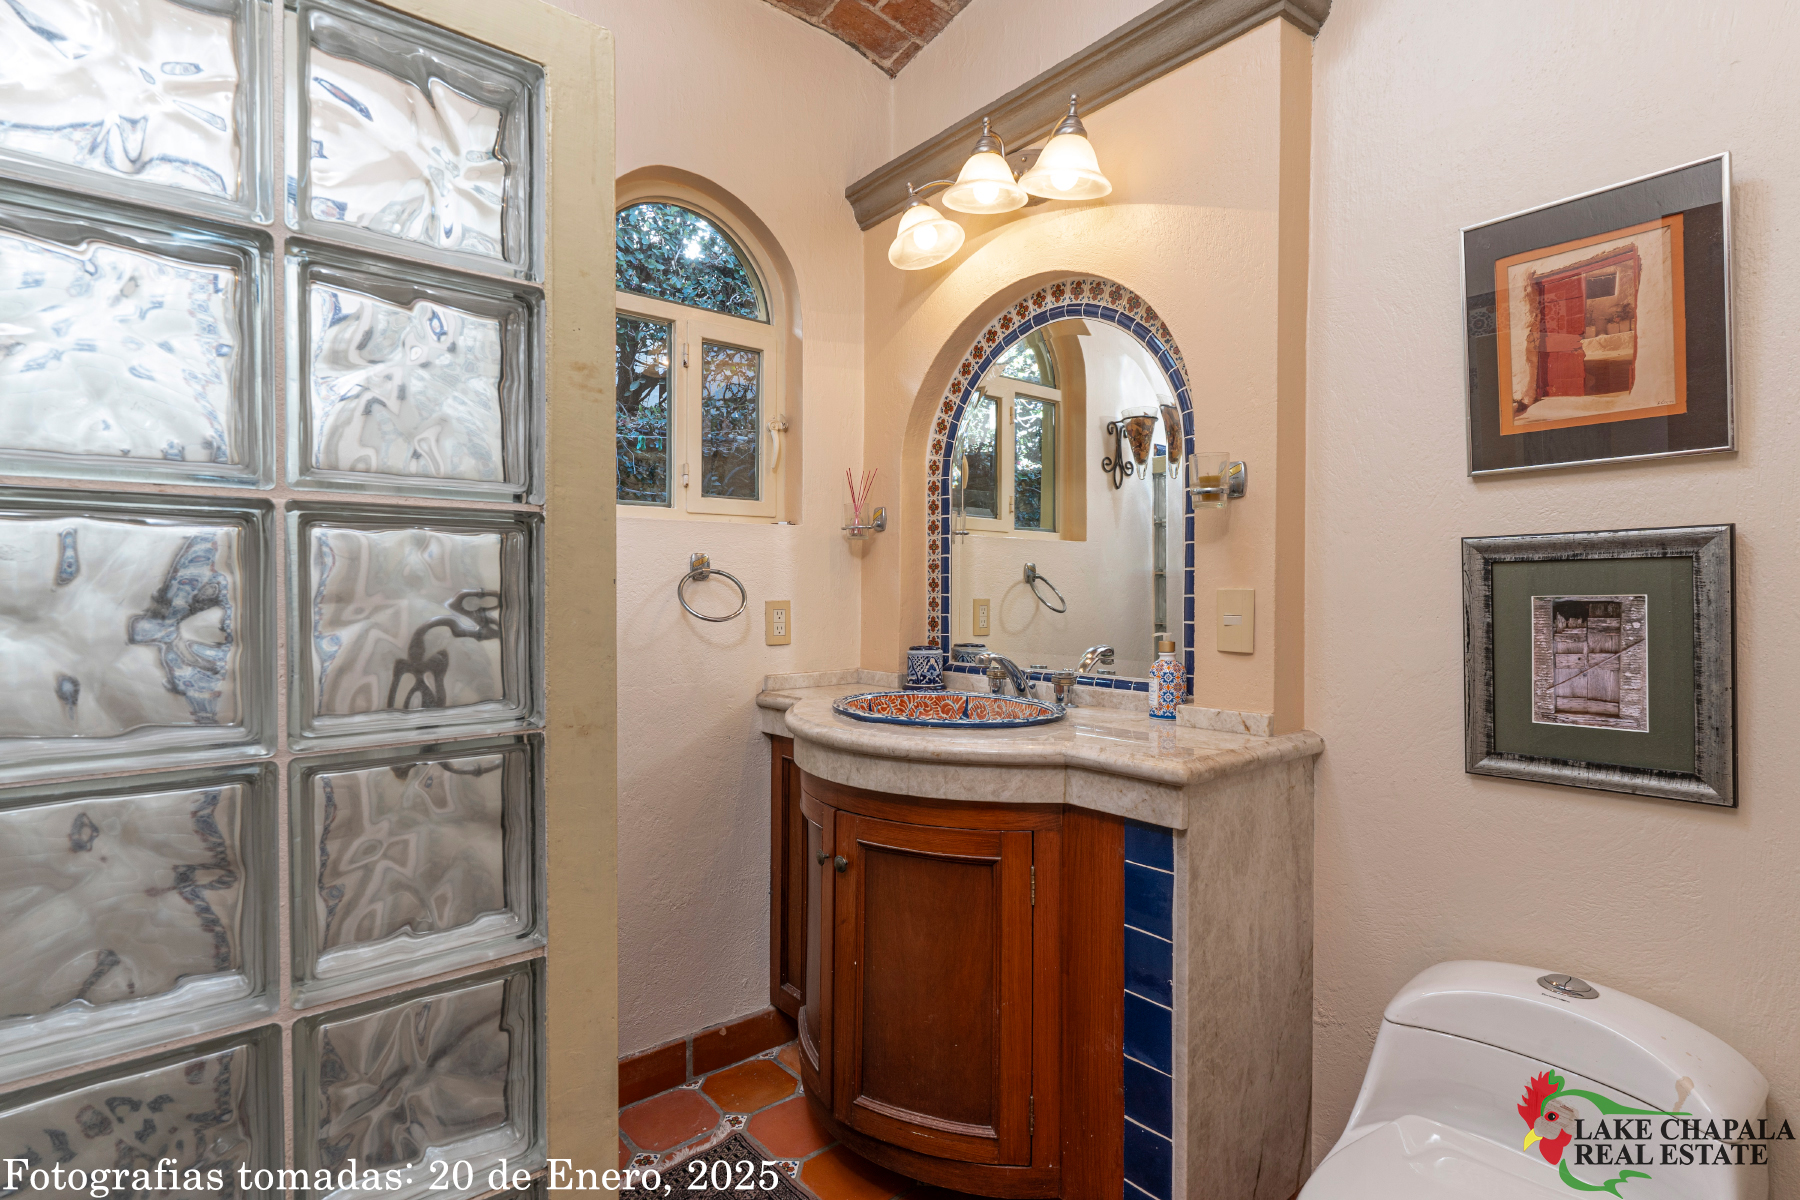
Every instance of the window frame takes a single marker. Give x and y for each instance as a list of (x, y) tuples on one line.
[(691, 328), (1002, 389)]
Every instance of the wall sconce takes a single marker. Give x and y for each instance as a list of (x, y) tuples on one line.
[(1215, 478), (1133, 433), (1066, 170)]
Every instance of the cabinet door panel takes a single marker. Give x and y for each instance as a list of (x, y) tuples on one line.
[(933, 988), (787, 881), (814, 1018)]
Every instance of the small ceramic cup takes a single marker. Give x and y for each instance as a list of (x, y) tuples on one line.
[(924, 669)]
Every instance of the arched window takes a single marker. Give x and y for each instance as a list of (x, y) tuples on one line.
[(700, 372)]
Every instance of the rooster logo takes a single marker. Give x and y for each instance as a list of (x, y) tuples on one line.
[(1550, 1126), (1551, 1121)]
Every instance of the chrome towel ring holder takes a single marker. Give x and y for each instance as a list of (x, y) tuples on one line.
[(1033, 578), (700, 569)]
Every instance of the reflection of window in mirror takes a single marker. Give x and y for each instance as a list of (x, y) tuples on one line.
[(699, 366), (1017, 468)]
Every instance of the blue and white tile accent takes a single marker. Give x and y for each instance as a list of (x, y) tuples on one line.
[(1089, 299), (1149, 1069)]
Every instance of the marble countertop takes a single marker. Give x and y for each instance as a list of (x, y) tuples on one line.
[(1114, 760)]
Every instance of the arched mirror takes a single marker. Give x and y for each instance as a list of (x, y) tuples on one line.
[(1067, 518)]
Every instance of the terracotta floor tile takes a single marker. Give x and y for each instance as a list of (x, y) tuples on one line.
[(665, 1121), (749, 1086), (789, 1130), (842, 1174), (789, 1057)]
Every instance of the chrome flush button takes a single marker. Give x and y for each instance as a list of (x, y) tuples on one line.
[(1569, 985)]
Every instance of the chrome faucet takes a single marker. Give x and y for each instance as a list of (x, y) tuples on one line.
[(1008, 670), (1094, 655)]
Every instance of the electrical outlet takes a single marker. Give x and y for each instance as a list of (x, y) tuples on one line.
[(981, 618), (1237, 621), (778, 622)]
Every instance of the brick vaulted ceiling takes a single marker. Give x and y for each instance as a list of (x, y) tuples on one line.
[(886, 32)]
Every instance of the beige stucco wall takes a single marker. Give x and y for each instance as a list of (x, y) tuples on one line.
[(1208, 223), (693, 770), (1429, 117)]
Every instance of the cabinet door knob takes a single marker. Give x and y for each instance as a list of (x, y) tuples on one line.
[(823, 855), (843, 864)]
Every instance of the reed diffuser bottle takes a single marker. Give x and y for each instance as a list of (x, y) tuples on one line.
[(1165, 682)]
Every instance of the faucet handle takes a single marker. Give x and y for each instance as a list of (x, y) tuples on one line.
[(996, 677), (1062, 686)]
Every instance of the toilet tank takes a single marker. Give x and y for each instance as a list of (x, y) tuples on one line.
[(1462, 1042)]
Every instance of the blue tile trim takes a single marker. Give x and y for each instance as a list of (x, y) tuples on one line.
[(1149, 1098), (1149, 985), (1149, 1161), (1150, 846), (1150, 967), (1150, 901)]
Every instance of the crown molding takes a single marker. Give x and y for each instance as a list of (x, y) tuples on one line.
[(1163, 38)]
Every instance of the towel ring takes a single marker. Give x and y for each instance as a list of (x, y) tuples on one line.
[(1033, 578), (700, 568)]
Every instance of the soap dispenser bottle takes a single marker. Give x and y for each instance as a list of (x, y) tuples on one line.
[(1165, 682)]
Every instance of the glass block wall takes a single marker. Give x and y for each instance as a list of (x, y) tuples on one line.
[(271, 477)]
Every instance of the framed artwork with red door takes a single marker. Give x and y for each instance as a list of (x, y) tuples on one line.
[(1598, 328)]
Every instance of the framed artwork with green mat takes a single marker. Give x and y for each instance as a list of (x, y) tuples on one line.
[(1603, 660)]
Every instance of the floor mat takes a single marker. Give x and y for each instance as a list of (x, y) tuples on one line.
[(731, 1170)]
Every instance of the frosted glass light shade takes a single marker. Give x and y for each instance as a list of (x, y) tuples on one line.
[(1067, 170), (986, 185), (926, 237)]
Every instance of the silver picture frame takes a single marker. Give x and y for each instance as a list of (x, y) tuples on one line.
[(1729, 442), (1714, 777)]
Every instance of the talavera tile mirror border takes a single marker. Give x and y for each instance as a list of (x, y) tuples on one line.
[(1080, 297)]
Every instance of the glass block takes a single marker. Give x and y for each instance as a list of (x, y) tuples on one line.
[(408, 620), (150, 99), (134, 631), (199, 1114), (424, 1081), (132, 346), (133, 914), (417, 139), (413, 862), (408, 379)]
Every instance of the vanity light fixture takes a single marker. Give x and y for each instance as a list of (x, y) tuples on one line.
[(986, 184), (1066, 170), (926, 237)]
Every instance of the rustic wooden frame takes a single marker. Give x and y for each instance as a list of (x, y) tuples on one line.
[(1712, 547)]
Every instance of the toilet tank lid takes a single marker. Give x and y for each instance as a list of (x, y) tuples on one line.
[(1615, 1039)]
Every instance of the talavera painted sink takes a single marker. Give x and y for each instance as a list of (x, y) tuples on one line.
[(948, 710)]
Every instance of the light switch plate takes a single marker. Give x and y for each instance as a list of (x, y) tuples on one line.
[(982, 608), (778, 622), (1237, 621)]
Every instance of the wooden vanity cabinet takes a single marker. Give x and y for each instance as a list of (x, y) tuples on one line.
[(942, 1032)]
